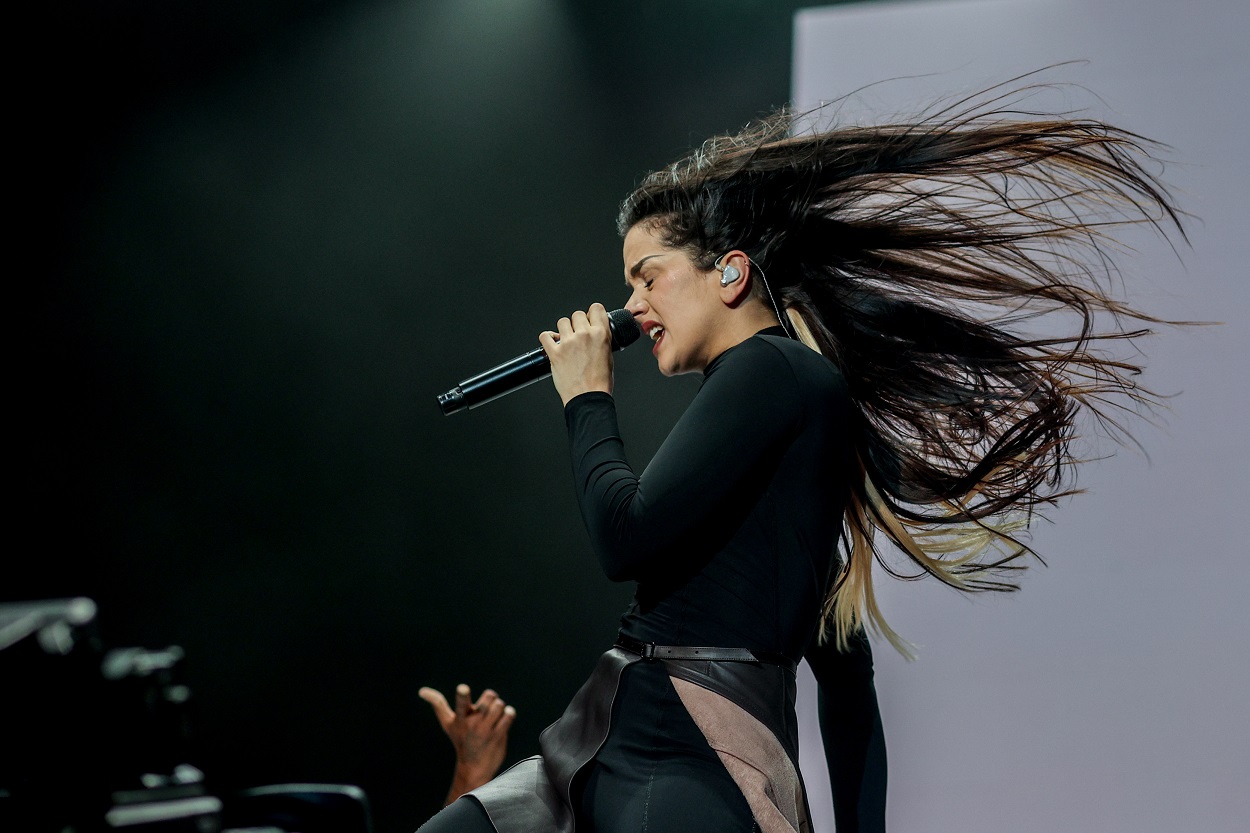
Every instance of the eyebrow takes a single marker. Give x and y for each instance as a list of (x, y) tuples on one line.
[(633, 271)]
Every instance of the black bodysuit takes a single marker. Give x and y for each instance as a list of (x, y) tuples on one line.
[(731, 535), (730, 531)]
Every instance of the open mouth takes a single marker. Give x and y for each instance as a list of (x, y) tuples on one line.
[(656, 334)]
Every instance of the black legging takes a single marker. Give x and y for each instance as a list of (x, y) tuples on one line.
[(656, 772)]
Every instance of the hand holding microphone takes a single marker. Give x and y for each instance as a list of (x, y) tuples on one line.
[(578, 361), (580, 353)]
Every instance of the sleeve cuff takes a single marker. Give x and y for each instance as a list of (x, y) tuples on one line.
[(589, 399), (590, 417)]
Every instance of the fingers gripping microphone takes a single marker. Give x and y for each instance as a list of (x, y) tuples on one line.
[(525, 369)]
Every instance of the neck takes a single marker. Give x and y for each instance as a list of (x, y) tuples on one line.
[(744, 322)]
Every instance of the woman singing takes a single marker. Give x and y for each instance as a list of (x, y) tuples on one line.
[(896, 328)]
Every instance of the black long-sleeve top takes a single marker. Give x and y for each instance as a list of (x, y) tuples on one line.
[(731, 531)]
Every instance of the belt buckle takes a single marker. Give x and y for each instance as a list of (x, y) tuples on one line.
[(648, 651)]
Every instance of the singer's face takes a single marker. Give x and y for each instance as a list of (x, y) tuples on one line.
[(674, 301)]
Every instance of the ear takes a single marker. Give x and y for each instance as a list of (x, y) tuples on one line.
[(736, 291)]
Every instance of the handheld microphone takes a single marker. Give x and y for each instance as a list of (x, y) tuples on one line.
[(525, 369)]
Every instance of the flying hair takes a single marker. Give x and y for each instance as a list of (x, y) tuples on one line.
[(958, 269)]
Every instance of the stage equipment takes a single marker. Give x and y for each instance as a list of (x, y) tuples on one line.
[(96, 740)]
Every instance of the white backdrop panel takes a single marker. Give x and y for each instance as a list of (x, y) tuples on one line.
[(1111, 694)]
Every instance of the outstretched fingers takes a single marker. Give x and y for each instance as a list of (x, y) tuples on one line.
[(464, 706), (438, 703)]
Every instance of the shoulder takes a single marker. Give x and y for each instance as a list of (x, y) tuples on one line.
[(779, 364), (809, 367)]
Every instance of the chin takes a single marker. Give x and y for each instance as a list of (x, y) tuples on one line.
[(672, 365), (665, 365), (673, 369)]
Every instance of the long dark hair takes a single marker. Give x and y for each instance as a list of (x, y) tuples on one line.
[(928, 260)]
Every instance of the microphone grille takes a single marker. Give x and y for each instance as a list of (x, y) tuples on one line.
[(625, 329)]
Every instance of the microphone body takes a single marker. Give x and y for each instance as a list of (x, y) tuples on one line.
[(525, 369)]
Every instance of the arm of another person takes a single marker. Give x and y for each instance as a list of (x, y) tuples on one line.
[(850, 727), (479, 733)]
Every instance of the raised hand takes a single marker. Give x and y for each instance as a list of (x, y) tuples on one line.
[(478, 731)]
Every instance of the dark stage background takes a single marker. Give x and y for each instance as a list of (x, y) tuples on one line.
[(265, 235)]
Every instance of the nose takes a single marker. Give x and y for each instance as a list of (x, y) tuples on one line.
[(635, 306)]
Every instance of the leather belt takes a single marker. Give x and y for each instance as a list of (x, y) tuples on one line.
[(650, 652)]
